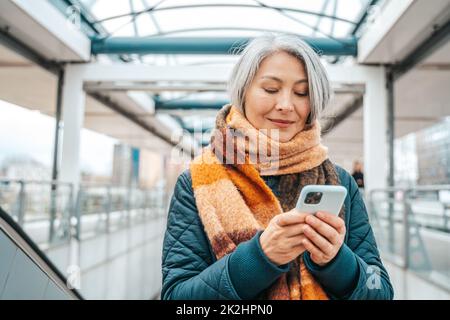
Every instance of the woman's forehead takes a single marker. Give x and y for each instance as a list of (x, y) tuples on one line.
[(283, 79), (281, 63)]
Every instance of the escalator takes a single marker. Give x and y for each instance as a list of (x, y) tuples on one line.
[(25, 271)]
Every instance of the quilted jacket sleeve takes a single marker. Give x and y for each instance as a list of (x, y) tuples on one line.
[(190, 270), (357, 271)]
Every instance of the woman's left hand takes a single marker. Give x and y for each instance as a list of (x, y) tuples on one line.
[(324, 236)]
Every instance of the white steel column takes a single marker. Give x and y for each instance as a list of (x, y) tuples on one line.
[(375, 118), (73, 104), (375, 131)]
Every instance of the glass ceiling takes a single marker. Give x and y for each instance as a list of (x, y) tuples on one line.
[(212, 18), (321, 18)]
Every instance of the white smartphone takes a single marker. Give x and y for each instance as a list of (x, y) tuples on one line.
[(314, 198)]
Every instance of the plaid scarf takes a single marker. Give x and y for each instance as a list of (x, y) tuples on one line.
[(234, 202)]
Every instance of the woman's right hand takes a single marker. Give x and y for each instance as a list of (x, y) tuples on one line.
[(282, 240)]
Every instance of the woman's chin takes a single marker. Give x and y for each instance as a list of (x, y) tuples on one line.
[(277, 134), (281, 135), (285, 138)]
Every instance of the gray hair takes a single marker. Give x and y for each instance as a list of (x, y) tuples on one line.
[(260, 48)]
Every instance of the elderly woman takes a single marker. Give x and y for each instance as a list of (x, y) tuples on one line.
[(233, 231)]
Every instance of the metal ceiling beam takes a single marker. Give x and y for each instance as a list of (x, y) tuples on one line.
[(296, 19), (138, 121), (341, 116), (187, 105), (440, 36), (362, 19), (319, 18), (364, 16), (189, 88), (85, 15), (207, 45), (201, 130), (193, 131), (155, 87), (333, 22), (15, 45), (223, 5)]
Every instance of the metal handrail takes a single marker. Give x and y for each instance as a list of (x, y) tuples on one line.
[(127, 198), (436, 187), (408, 195), (48, 182)]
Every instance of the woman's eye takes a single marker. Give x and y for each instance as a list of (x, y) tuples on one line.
[(301, 94), (270, 90)]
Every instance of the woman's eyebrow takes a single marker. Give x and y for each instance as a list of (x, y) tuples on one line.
[(279, 80)]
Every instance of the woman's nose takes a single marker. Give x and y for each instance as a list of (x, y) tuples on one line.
[(285, 104)]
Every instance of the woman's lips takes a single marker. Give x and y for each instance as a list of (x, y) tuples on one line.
[(281, 123)]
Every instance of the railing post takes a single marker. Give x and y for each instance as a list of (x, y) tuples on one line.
[(71, 209), (21, 204), (128, 222), (77, 211), (371, 206), (108, 208), (165, 199), (446, 219), (53, 191), (152, 203), (406, 229), (149, 204), (391, 222)]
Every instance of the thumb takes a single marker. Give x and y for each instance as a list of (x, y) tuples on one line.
[(291, 217)]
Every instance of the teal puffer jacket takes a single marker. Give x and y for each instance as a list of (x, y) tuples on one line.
[(191, 271)]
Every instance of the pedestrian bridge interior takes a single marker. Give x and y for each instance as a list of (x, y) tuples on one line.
[(104, 103)]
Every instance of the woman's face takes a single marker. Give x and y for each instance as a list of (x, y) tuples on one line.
[(277, 98)]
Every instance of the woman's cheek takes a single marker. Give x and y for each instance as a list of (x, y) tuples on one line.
[(304, 110), (258, 100), (265, 103), (263, 96)]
